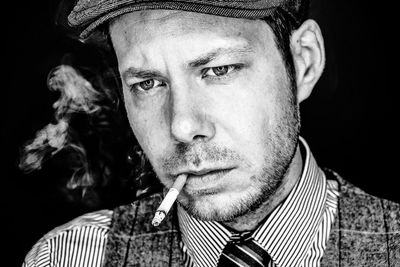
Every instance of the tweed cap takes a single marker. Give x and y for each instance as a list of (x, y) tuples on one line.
[(87, 15)]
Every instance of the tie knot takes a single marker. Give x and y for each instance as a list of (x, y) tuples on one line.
[(242, 237)]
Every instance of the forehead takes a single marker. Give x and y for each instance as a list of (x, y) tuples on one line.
[(144, 27)]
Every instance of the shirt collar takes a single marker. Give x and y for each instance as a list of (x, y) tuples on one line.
[(286, 235)]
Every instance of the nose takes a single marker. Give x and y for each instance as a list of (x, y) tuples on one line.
[(190, 120)]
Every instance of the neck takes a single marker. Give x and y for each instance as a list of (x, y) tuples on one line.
[(250, 221)]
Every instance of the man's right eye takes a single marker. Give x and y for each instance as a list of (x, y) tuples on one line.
[(146, 85)]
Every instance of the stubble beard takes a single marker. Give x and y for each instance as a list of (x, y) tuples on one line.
[(281, 143)]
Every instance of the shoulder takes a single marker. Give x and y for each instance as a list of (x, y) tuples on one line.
[(367, 228), (360, 206), (79, 240), (97, 220)]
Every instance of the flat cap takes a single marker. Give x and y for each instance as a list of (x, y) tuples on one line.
[(87, 15)]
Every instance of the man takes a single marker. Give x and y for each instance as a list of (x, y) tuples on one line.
[(212, 91)]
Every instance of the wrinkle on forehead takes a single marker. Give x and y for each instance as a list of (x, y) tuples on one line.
[(182, 19), (174, 23)]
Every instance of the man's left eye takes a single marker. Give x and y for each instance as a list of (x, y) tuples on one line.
[(219, 71)]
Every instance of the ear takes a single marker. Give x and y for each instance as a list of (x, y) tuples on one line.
[(307, 45)]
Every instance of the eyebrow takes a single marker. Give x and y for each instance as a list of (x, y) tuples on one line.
[(133, 72), (219, 52)]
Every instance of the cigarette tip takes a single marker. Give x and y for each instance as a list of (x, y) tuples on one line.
[(158, 218)]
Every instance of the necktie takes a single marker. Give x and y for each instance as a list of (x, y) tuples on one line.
[(245, 252)]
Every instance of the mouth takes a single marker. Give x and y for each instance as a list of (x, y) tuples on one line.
[(204, 180)]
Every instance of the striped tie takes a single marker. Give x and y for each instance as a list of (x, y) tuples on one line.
[(243, 252)]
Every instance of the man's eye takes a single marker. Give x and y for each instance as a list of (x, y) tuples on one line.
[(219, 71), (146, 85)]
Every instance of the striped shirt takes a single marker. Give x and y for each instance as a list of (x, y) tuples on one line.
[(295, 233)]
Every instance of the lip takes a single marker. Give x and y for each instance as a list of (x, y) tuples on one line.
[(201, 171), (200, 180)]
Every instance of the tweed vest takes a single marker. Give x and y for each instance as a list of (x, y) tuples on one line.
[(366, 232)]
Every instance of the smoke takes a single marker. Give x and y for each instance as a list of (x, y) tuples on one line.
[(77, 95)]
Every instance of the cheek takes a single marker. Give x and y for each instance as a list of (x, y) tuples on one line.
[(250, 113), (147, 124), (247, 111)]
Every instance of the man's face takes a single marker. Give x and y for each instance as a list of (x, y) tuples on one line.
[(209, 97)]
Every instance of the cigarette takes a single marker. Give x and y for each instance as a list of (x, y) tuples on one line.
[(169, 200)]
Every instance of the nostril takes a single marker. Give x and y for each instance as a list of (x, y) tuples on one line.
[(199, 137)]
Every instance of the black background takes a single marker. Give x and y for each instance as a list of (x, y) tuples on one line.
[(350, 120)]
